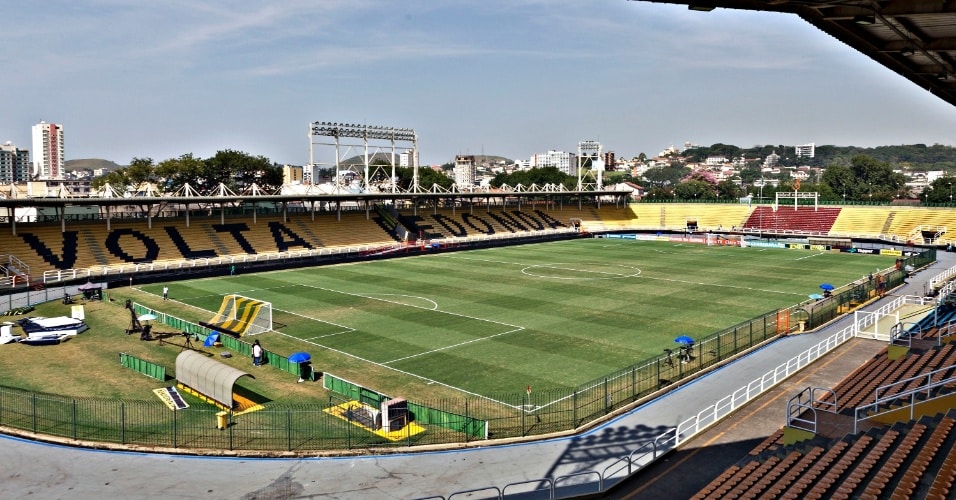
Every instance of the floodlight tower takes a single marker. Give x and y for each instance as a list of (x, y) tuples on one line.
[(590, 150), (372, 136)]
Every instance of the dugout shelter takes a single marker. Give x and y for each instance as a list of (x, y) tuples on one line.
[(208, 376)]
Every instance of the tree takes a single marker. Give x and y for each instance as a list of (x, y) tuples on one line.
[(539, 176), (659, 193), (612, 178), (426, 178), (665, 176), (141, 170), (727, 190), (865, 179), (177, 172), (749, 174), (695, 190), (116, 179), (941, 190), (238, 171)]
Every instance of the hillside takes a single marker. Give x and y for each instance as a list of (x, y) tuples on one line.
[(91, 164)]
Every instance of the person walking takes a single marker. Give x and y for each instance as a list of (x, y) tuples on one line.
[(256, 353), (165, 292)]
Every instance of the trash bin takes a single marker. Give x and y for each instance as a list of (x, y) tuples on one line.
[(222, 420)]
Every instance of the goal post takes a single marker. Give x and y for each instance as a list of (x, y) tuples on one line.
[(243, 315)]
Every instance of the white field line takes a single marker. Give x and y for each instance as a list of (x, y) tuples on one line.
[(808, 256), (514, 328), (454, 345), (642, 276)]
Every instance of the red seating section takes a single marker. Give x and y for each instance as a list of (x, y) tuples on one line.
[(803, 220)]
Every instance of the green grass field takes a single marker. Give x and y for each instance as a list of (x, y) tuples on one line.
[(494, 321)]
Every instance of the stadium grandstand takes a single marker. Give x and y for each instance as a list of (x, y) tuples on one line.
[(205, 234), (270, 232), (850, 413)]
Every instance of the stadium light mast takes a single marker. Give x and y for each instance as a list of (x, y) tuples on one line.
[(592, 150), (374, 137)]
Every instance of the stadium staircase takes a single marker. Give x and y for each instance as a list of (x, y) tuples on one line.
[(888, 224), (13, 271)]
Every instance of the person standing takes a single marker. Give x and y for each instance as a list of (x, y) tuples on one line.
[(256, 353), (165, 292)]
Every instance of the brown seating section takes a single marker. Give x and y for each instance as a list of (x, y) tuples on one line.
[(910, 459), (858, 388)]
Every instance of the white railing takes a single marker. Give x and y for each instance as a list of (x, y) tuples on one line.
[(943, 278), (648, 452), (891, 403), (865, 320)]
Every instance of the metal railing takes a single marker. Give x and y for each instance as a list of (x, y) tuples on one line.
[(895, 401), (652, 450)]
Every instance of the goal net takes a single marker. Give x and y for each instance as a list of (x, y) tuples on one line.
[(243, 316)]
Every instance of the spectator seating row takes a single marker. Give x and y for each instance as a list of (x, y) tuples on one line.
[(447, 223), (905, 459), (817, 221), (45, 247)]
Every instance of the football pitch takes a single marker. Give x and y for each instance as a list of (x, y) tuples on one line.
[(550, 315)]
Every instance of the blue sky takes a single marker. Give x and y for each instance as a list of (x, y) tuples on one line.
[(160, 79)]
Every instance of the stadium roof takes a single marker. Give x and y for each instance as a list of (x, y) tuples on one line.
[(915, 38)]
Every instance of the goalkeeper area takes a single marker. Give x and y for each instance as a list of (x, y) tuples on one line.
[(497, 321)]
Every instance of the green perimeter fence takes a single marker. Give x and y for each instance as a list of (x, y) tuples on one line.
[(452, 420)]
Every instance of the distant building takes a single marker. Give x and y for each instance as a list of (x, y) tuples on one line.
[(671, 151), (48, 151), (466, 171), (563, 161), (408, 158), (772, 160), (14, 164), (610, 162), (806, 150), (714, 161), (292, 174)]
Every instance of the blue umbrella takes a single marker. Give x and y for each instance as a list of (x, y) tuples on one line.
[(299, 357), (684, 339), (211, 339), (826, 286), (815, 296)]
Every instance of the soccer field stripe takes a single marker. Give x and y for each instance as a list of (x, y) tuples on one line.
[(439, 311), (781, 292), (472, 341), (410, 374), (513, 328)]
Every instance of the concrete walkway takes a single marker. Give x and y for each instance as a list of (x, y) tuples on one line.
[(52, 471)]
